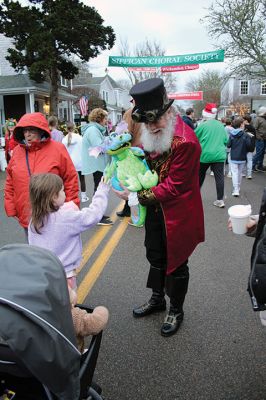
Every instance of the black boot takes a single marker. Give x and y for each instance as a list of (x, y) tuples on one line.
[(172, 322), (156, 303), (176, 288), (125, 212)]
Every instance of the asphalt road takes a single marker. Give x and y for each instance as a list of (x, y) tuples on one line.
[(219, 351)]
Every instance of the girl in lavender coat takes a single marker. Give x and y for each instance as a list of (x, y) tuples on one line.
[(56, 225)]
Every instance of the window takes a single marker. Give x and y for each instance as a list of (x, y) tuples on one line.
[(63, 81), (105, 96), (243, 87), (263, 88)]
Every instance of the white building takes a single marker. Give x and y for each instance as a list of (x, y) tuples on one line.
[(240, 95), (116, 98), (19, 94)]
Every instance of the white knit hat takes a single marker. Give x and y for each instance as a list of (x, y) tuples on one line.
[(209, 111)]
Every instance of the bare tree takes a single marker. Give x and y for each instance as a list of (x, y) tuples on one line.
[(210, 82), (124, 83), (147, 49), (239, 26), (44, 44)]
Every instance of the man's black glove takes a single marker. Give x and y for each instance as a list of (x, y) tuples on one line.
[(147, 198)]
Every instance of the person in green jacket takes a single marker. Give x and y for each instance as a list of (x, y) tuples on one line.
[(213, 139)]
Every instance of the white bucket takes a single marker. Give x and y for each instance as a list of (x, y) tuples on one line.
[(239, 216)]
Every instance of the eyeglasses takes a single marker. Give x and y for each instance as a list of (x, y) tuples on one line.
[(30, 129), (146, 116)]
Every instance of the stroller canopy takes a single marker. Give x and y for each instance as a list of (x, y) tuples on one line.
[(35, 315)]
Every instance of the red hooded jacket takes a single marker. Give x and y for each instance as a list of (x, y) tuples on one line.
[(43, 157)]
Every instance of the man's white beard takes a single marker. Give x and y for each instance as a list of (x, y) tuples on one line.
[(159, 142)]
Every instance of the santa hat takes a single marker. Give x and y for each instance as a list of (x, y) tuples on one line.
[(209, 111)]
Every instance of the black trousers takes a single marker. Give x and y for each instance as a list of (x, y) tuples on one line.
[(82, 182), (174, 285), (97, 176), (218, 171)]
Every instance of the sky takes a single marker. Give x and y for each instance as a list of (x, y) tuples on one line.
[(174, 24)]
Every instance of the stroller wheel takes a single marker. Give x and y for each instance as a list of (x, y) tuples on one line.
[(93, 395), (96, 387)]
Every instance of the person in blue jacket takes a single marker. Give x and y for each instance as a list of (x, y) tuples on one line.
[(240, 144), (93, 135)]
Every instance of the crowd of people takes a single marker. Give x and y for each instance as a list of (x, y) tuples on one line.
[(232, 147), (45, 183)]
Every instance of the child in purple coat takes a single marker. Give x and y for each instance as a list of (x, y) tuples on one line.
[(56, 225)]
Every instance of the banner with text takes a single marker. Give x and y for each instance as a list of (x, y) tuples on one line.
[(179, 68), (175, 68), (164, 61), (186, 96), (142, 69)]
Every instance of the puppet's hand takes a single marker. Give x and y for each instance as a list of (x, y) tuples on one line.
[(149, 179), (133, 184)]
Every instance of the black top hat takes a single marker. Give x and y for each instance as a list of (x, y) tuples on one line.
[(151, 100)]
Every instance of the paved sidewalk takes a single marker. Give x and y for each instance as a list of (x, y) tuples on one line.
[(2, 179)]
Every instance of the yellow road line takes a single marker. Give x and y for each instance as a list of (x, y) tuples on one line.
[(99, 264), (96, 240)]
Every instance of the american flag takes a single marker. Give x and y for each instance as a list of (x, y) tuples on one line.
[(83, 105)]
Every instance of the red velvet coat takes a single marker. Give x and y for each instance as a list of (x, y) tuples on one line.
[(45, 156), (178, 192)]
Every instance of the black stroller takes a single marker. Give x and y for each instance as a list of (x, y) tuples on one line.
[(38, 354)]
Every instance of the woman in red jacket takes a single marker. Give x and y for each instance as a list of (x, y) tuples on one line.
[(35, 154)]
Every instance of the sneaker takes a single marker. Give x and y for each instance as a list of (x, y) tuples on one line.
[(219, 203), (249, 177), (123, 213), (105, 221), (235, 193), (229, 175), (258, 169), (84, 198)]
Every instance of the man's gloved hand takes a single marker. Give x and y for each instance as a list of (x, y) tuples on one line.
[(147, 198)]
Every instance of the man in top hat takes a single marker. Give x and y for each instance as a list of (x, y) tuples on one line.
[(213, 139), (174, 223)]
